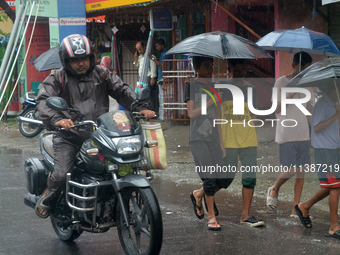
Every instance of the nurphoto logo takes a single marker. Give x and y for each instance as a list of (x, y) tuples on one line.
[(239, 101)]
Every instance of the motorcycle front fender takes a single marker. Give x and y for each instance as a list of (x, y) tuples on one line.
[(132, 180)]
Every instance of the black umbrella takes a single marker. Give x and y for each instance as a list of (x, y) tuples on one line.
[(48, 60), (220, 45), (321, 74)]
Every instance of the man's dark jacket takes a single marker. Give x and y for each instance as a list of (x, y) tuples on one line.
[(89, 94)]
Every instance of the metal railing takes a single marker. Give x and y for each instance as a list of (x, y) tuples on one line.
[(172, 92)]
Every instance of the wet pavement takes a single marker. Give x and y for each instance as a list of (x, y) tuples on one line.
[(22, 232)]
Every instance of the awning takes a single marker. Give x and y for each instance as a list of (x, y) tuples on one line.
[(95, 5)]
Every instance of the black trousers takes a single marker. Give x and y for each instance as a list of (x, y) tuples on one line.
[(154, 99), (209, 154)]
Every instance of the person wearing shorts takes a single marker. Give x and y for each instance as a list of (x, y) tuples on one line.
[(294, 142), (240, 139), (205, 140), (326, 143)]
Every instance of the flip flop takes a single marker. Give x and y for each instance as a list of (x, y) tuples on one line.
[(40, 205), (336, 234), (213, 228), (216, 211), (196, 206), (271, 201), (305, 220)]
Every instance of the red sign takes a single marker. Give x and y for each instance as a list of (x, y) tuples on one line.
[(40, 44), (11, 3)]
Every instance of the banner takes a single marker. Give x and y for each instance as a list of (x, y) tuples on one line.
[(93, 5), (11, 4)]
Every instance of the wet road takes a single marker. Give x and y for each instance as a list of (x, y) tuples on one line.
[(22, 232)]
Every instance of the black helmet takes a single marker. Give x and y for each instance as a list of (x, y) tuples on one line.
[(75, 46)]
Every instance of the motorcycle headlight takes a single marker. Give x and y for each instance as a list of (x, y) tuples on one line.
[(128, 145)]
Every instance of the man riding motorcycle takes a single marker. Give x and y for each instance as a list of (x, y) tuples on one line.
[(85, 87)]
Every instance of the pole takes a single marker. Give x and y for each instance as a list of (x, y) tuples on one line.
[(16, 57), (22, 67), (10, 46), (20, 17)]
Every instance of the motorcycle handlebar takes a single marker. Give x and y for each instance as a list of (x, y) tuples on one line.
[(83, 123)]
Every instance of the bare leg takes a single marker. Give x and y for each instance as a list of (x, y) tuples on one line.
[(333, 208), (305, 207), (198, 194), (300, 179), (247, 195), (211, 215), (274, 190)]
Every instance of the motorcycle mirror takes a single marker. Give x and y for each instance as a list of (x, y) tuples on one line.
[(143, 94), (57, 104)]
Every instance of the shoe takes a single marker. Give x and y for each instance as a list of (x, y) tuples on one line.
[(216, 211), (213, 228), (196, 207), (253, 222), (305, 220), (271, 202), (336, 234)]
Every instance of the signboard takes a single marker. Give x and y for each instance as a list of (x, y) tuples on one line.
[(54, 32), (57, 8), (161, 19), (329, 1), (72, 22), (47, 8), (11, 4), (93, 5), (40, 44), (68, 26)]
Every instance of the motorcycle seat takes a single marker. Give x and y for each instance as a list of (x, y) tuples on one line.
[(48, 144)]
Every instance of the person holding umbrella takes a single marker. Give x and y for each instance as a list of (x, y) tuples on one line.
[(294, 144), (326, 143), (205, 140), (219, 45), (240, 141)]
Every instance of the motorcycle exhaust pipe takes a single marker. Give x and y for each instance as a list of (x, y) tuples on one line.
[(39, 122)]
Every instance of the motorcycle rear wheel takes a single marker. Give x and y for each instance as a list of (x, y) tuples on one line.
[(145, 233), (67, 234), (27, 129)]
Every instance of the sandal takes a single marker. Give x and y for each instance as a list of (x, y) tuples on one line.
[(213, 228), (196, 207), (271, 202), (40, 205), (305, 220)]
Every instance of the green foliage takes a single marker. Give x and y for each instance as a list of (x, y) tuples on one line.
[(3, 17)]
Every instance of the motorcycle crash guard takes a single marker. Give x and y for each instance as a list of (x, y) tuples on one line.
[(36, 176)]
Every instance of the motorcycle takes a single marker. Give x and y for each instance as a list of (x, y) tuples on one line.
[(106, 188), (29, 112)]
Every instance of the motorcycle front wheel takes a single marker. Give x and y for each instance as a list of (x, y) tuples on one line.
[(66, 234), (27, 129), (145, 233)]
